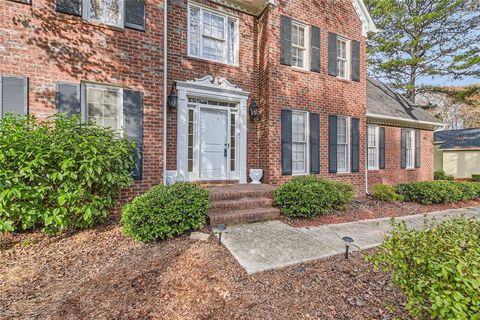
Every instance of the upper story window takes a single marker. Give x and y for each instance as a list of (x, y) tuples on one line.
[(343, 58), (212, 36), (410, 149), (343, 144), (299, 45), (299, 142), (106, 11), (372, 147), (105, 105)]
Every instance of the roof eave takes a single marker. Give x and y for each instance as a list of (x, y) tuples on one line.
[(427, 125)]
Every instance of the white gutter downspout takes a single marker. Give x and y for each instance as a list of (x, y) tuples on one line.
[(165, 34)]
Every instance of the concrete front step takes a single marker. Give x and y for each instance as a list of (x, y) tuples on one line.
[(241, 216), (240, 204)]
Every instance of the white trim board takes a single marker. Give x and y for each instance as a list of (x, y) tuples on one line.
[(213, 88)]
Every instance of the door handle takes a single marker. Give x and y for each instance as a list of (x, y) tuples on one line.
[(225, 150)]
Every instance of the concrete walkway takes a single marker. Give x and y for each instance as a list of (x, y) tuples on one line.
[(270, 245)]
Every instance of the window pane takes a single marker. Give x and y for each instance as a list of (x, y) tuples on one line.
[(213, 25), (231, 42), (194, 31), (107, 11), (298, 157), (213, 49), (190, 140), (232, 141)]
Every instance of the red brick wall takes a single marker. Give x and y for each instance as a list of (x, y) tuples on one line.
[(47, 46), (393, 174), (311, 91), (181, 67)]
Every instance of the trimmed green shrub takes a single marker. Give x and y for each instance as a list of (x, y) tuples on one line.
[(386, 193), (439, 191), (59, 173), (309, 196), (476, 177), (165, 211), (438, 268), (441, 175)]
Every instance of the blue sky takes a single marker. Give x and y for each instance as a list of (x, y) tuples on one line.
[(447, 81)]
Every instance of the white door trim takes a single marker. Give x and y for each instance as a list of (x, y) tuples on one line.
[(214, 89)]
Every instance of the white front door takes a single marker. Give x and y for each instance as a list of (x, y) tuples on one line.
[(213, 144)]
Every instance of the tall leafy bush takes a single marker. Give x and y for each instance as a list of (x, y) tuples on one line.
[(438, 268), (166, 211), (59, 173), (309, 196)]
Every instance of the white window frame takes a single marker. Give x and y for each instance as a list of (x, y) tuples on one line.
[(306, 142), (86, 14), (119, 103), (376, 147), (348, 145), (410, 133), (347, 60), (227, 18), (306, 52)]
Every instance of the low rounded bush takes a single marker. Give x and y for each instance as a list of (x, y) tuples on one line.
[(309, 196), (386, 193), (439, 191), (165, 211), (438, 268), (59, 173), (441, 175), (476, 177)]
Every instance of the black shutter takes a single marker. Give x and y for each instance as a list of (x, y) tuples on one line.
[(381, 164), (355, 60), (135, 14), (286, 41), (314, 143), (403, 160), (355, 144), (332, 144), (417, 149), (67, 98), (133, 124), (286, 123), (83, 99), (332, 54), (14, 95), (315, 49), (73, 7)]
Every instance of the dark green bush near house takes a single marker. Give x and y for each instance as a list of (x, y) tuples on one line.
[(165, 211), (439, 191), (441, 175), (308, 197), (59, 173), (476, 177), (386, 193), (438, 268)]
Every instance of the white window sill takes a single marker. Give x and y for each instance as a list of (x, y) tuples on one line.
[(300, 174), (305, 70)]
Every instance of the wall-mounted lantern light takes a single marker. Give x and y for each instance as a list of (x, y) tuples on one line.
[(254, 110), (173, 98)]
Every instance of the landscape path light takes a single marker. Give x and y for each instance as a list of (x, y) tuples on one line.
[(348, 241)]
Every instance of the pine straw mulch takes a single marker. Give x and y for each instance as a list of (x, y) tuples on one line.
[(102, 274), (369, 208)]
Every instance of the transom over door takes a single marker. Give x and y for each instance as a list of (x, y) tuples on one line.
[(213, 143)]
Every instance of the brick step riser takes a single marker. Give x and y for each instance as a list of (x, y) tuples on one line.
[(231, 206), (240, 195)]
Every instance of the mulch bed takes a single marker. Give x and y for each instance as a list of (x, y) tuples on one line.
[(102, 274), (369, 208)]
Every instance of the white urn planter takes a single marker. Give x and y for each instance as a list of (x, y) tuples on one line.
[(256, 175)]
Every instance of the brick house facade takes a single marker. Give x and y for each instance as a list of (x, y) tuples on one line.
[(302, 63)]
